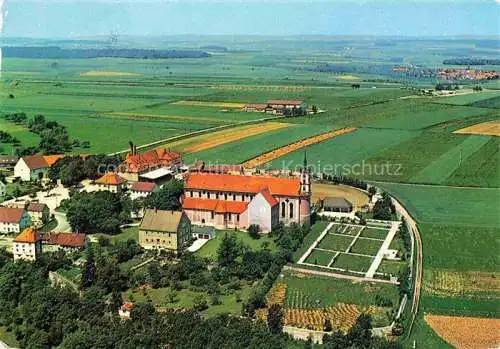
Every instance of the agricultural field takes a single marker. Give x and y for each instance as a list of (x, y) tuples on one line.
[(490, 128), (471, 98), (466, 332), (320, 190)]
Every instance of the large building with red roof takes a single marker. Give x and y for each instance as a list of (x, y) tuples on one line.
[(13, 220), (149, 166), (238, 201), (34, 167)]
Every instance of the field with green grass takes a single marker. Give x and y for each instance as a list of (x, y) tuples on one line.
[(366, 246)]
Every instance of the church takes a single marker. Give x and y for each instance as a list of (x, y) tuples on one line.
[(227, 201)]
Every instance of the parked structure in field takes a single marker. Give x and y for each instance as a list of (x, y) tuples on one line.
[(164, 230), (27, 245), (34, 167), (279, 107), (39, 213), (13, 220), (110, 182), (69, 242), (238, 201), (156, 165), (141, 189)]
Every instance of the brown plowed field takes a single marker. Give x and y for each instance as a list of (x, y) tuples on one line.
[(466, 332), (490, 128), (235, 135), (274, 154)]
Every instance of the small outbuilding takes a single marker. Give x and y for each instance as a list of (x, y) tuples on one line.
[(337, 204)]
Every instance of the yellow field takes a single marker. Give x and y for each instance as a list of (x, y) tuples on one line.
[(357, 197), (276, 294), (235, 135), (348, 77), (108, 73), (466, 332), (274, 154), (448, 283), (490, 128), (226, 105)]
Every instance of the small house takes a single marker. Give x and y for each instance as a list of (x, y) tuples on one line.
[(164, 230), (203, 232), (110, 182), (141, 189), (337, 204), (69, 242), (39, 213), (125, 311), (13, 220), (34, 167), (27, 245)]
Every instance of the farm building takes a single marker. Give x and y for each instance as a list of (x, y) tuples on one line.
[(203, 232), (39, 213), (238, 201), (141, 189), (27, 245), (260, 108), (13, 220), (34, 167), (286, 107), (69, 242), (110, 182), (7, 161), (164, 230), (157, 165), (337, 204)]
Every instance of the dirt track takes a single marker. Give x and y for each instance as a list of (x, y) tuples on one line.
[(274, 154)]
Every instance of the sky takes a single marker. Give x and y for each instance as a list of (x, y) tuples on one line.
[(87, 18)]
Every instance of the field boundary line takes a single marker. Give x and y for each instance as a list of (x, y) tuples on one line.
[(198, 133), (335, 275), (380, 254)]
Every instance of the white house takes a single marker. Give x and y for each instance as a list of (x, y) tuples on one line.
[(34, 167), (27, 245), (13, 220), (141, 189)]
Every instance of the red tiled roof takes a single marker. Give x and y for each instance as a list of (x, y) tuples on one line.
[(110, 178), (64, 239), (285, 102), (269, 198), (28, 235), (35, 162), (218, 206), (243, 184), (51, 159), (127, 306), (36, 207), (151, 159), (143, 186), (11, 215)]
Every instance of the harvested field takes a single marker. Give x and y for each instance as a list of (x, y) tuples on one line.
[(234, 135), (490, 128), (466, 332), (270, 156), (357, 197), (225, 105), (452, 283), (97, 73)]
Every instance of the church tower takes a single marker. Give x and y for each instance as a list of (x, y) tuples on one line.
[(305, 178)]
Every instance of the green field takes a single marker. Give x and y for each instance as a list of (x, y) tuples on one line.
[(374, 233), (324, 292), (352, 262), (365, 246), (468, 99), (320, 257), (475, 207), (335, 242)]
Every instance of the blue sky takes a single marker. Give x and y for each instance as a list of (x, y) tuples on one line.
[(67, 18)]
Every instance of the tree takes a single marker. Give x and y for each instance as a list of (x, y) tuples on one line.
[(54, 140), (275, 318), (167, 198), (200, 302), (372, 191), (228, 250), (89, 270), (253, 231)]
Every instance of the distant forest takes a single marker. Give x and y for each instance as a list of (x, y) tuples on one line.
[(52, 52), (472, 61)]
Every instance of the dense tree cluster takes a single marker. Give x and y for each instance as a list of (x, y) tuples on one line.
[(472, 61), (339, 179), (97, 212), (384, 208), (167, 198), (73, 169)]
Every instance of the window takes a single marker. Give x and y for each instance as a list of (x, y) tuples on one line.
[(229, 216), (291, 210), (212, 214), (283, 214), (217, 196), (191, 194), (237, 218), (234, 197)]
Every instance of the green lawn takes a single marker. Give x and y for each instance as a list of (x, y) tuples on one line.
[(374, 233), (316, 230), (351, 262), (335, 242), (126, 234), (209, 250), (319, 257), (365, 246), (391, 267)]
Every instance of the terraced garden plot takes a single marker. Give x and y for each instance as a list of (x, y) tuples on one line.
[(352, 262), (374, 233), (365, 246), (335, 242), (319, 257)]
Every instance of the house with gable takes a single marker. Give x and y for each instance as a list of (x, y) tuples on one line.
[(13, 220), (27, 245), (34, 167)]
